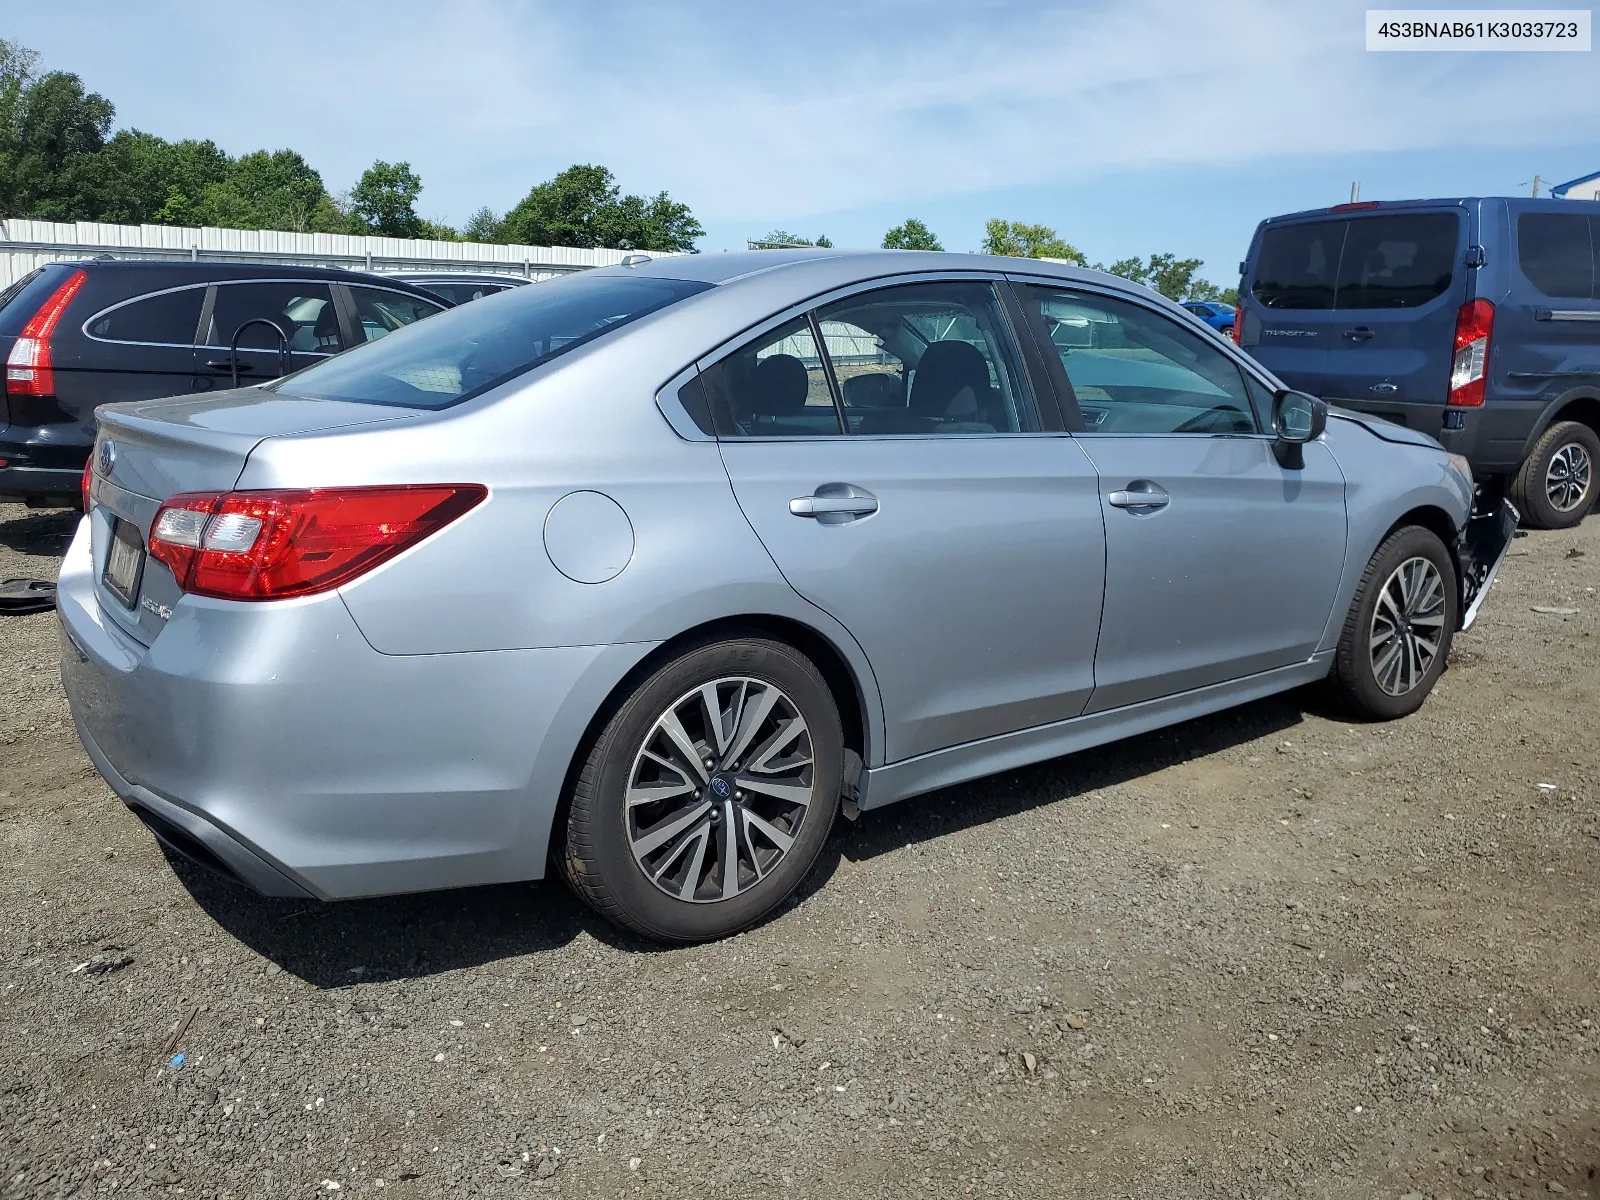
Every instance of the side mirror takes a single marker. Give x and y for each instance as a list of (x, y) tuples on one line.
[(1297, 418)]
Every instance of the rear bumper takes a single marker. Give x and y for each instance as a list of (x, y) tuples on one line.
[(32, 467), (274, 740), (38, 481)]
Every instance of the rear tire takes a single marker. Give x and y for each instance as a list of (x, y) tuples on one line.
[(1555, 486), (687, 849), (1399, 628)]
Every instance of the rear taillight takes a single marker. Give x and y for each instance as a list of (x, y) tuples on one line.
[(272, 544), (88, 481), (30, 370), (1470, 367), (1237, 332)]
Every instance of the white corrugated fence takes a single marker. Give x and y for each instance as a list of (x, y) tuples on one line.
[(25, 245)]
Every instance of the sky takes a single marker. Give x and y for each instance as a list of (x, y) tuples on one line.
[(1130, 127)]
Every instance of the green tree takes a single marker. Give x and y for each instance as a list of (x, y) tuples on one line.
[(1014, 239), (482, 226), (584, 207), (385, 200), (276, 190), (156, 181), (911, 234), (1175, 278), (782, 239), (50, 165)]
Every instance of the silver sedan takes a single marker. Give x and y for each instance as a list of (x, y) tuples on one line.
[(652, 571)]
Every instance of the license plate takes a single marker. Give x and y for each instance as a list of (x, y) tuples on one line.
[(125, 563)]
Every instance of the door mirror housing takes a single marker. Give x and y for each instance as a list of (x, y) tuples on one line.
[(1297, 418)]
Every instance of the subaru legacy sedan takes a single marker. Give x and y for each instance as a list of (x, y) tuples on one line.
[(652, 571)]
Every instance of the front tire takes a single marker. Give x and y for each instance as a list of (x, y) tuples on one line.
[(708, 796), (1399, 628), (1555, 486)]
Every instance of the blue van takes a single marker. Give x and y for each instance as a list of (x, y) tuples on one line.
[(1474, 320)]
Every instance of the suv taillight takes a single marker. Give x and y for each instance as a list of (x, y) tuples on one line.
[(1470, 368), (29, 369), (271, 544)]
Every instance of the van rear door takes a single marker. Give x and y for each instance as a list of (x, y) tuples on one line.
[(1289, 323), (1402, 276)]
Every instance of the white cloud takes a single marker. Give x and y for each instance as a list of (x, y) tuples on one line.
[(745, 110)]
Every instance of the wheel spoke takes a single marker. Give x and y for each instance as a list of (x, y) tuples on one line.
[(793, 793), (788, 731), (663, 833), (753, 716), (728, 830), (768, 830), (652, 793), (679, 737), (691, 881)]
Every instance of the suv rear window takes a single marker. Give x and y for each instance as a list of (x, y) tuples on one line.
[(1398, 260), (465, 351), (1560, 253)]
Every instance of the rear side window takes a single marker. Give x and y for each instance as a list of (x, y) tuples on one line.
[(167, 318), (1558, 253), (465, 351), (23, 298), (302, 310), (1399, 260), (381, 312)]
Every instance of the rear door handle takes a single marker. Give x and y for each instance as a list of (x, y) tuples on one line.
[(1359, 334), (835, 503), (223, 364), (1141, 493)]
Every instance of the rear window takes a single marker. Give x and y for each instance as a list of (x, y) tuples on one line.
[(1392, 261), (1558, 253), (23, 298), (465, 351)]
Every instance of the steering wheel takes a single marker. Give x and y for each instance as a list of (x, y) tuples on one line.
[(1206, 422)]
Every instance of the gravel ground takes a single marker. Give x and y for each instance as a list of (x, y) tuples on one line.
[(1266, 954)]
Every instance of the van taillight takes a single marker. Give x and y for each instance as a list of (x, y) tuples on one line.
[(1237, 332), (30, 370), (1469, 369), (270, 544)]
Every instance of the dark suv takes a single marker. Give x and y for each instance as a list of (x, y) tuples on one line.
[(79, 334), (1476, 321)]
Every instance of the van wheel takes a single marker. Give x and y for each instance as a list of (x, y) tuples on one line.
[(1555, 486), (1399, 628), (707, 798)]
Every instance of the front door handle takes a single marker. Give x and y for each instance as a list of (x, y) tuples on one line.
[(226, 364), (1141, 494), (1359, 334), (835, 503)]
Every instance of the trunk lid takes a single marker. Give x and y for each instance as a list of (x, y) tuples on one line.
[(160, 448)]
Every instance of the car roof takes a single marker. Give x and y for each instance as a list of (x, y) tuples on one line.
[(454, 276), (1379, 207), (177, 272)]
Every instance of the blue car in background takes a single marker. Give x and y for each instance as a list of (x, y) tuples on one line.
[(1214, 313)]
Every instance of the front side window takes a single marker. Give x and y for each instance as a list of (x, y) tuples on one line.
[(1136, 371), (1557, 254), (168, 318), (302, 310), (380, 312), (927, 358), (465, 351)]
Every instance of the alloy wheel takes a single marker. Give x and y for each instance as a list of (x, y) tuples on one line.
[(719, 789), (1408, 625), (1566, 479)]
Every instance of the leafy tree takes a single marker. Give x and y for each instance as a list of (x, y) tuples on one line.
[(385, 199), (583, 206), (482, 226), (1175, 278), (437, 231), (276, 190), (49, 157), (782, 239), (1015, 239), (911, 234), (153, 180)]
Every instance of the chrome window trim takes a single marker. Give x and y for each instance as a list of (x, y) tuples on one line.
[(111, 308)]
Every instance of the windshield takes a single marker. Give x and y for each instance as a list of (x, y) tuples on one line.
[(466, 351)]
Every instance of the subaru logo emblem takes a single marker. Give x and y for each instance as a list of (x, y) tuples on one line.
[(720, 786), (108, 456)]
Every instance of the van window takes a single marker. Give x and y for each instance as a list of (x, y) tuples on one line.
[(1557, 252), (1398, 260)]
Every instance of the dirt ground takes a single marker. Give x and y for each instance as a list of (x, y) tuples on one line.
[(1266, 954)]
